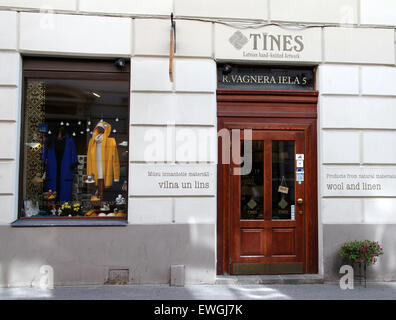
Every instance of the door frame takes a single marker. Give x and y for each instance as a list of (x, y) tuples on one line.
[(268, 110)]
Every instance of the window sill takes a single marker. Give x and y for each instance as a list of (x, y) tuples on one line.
[(69, 223)]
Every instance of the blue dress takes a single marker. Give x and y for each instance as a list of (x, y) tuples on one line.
[(66, 172)]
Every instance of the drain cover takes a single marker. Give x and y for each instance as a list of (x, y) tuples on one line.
[(118, 276)]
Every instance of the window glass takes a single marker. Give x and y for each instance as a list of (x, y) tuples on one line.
[(252, 185), (75, 146), (283, 179)]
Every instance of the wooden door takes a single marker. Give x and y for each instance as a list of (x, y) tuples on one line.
[(267, 203)]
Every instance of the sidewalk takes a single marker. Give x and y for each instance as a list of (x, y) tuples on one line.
[(326, 291)]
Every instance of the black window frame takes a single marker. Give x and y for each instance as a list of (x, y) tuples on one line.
[(68, 68)]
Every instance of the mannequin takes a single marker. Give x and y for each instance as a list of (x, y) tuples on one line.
[(60, 159), (99, 160), (102, 158)]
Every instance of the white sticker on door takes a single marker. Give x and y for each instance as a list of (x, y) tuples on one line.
[(300, 164)]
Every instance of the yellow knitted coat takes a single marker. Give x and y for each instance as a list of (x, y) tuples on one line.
[(111, 164)]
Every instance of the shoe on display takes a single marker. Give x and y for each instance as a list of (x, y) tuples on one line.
[(105, 207), (90, 179)]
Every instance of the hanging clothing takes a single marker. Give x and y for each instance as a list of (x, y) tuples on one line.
[(107, 162), (59, 151), (60, 157), (99, 160)]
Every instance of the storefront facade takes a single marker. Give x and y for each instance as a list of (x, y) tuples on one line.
[(311, 90)]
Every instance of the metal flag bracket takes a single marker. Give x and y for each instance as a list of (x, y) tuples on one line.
[(172, 47)]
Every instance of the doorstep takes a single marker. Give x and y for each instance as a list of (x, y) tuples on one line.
[(270, 279)]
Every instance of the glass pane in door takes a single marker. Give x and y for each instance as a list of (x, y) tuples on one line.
[(283, 179), (252, 184)]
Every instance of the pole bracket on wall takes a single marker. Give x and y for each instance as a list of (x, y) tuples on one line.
[(172, 47)]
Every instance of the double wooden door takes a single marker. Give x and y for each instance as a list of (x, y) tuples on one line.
[(267, 203)]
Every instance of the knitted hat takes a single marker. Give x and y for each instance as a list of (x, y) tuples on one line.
[(100, 124)]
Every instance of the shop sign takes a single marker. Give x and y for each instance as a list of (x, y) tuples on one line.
[(258, 77), (359, 182), (269, 43), (172, 180)]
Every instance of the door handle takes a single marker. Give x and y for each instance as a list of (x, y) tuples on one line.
[(300, 201)]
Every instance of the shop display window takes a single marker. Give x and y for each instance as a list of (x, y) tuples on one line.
[(75, 139)]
